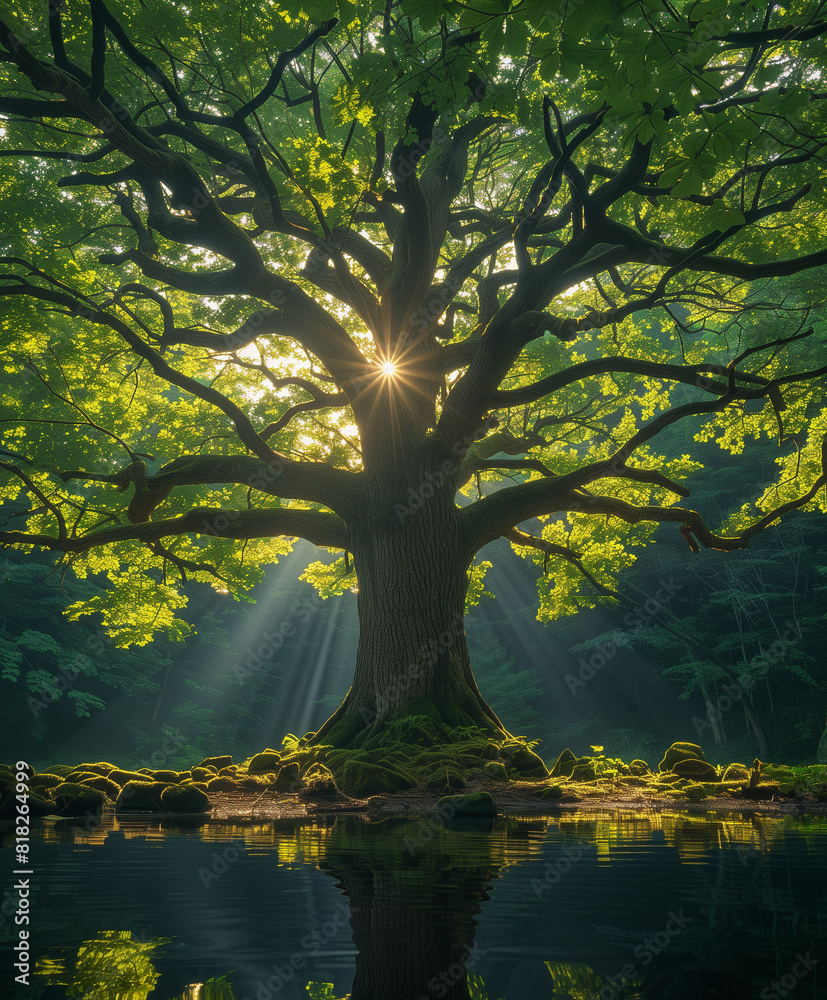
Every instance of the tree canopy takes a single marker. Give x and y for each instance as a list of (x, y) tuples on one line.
[(263, 267)]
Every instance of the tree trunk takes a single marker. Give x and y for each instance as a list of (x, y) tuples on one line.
[(412, 569)]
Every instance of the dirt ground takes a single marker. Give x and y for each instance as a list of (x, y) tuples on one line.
[(511, 799)]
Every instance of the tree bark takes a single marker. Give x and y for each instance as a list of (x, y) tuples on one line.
[(412, 563)]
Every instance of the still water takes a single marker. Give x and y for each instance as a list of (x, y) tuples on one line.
[(589, 906)]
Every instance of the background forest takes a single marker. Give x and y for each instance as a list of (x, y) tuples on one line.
[(667, 680)]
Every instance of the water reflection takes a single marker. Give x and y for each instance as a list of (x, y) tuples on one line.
[(586, 906)]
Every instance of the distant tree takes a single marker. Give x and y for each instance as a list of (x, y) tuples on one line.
[(317, 278)]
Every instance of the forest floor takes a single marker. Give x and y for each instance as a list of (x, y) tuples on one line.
[(512, 798)]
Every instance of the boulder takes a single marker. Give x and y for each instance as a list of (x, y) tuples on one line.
[(76, 800), (477, 805), (184, 799), (265, 761), (217, 762), (680, 751), (696, 770), (141, 796), (564, 765)]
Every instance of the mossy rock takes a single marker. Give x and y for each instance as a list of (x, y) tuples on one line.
[(319, 783), (564, 765), (124, 777), (494, 769), (668, 777), (141, 796), (287, 779), (639, 767), (225, 772), (446, 779), (61, 769), (680, 751), (736, 772), (75, 800), (144, 770), (101, 767), (109, 788), (635, 780), (202, 773), (222, 784), (45, 780), (697, 770), (199, 784), (345, 731), (476, 805), (696, 791), (584, 772), (265, 761), (362, 780), (548, 793), (529, 764), (181, 799), (490, 751), (78, 777), (217, 762), (171, 777)]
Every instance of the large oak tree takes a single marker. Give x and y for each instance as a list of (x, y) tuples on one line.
[(402, 280)]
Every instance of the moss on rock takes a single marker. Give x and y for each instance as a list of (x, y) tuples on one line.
[(171, 777), (265, 761), (185, 799), (222, 783), (564, 765), (584, 771), (680, 751), (109, 788), (528, 763), (494, 769), (45, 780), (736, 772), (476, 805), (287, 780), (361, 779), (639, 768), (75, 800), (548, 793), (121, 777), (697, 770), (141, 796), (217, 762)]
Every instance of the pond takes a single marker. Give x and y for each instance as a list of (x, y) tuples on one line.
[(575, 906)]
